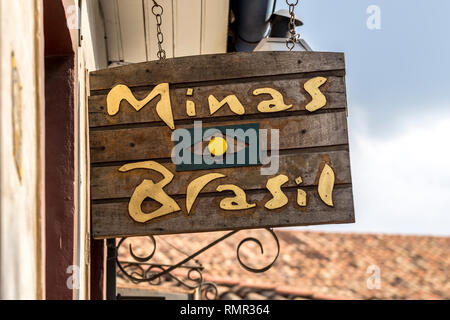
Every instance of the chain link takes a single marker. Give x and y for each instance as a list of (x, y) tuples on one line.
[(294, 37), (157, 11)]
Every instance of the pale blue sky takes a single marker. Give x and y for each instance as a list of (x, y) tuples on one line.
[(398, 86)]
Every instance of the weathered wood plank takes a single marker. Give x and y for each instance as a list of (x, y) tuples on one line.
[(213, 67), (307, 165), (292, 90), (315, 130), (111, 219)]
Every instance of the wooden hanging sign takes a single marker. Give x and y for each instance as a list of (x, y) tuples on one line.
[(219, 142)]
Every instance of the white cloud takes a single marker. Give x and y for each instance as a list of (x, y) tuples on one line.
[(401, 183)]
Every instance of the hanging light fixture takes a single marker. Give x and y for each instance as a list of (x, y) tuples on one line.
[(280, 33)]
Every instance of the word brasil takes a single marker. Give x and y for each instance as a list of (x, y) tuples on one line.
[(164, 108), (154, 191)]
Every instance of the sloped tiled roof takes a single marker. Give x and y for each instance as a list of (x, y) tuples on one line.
[(315, 265)]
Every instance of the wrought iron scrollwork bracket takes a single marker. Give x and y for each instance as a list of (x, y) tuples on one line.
[(142, 270)]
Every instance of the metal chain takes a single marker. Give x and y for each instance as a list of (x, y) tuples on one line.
[(294, 37), (157, 11)]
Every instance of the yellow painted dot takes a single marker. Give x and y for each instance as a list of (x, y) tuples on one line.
[(217, 146)]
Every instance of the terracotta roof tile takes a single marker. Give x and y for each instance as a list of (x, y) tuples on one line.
[(316, 264)]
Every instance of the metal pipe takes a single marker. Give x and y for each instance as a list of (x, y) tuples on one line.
[(252, 22)]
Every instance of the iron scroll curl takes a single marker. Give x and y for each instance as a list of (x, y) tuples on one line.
[(258, 242), (143, 270)]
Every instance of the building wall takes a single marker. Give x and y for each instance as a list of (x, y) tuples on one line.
[(61, 171), (60, 147), (74, 46), (21, 139)]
